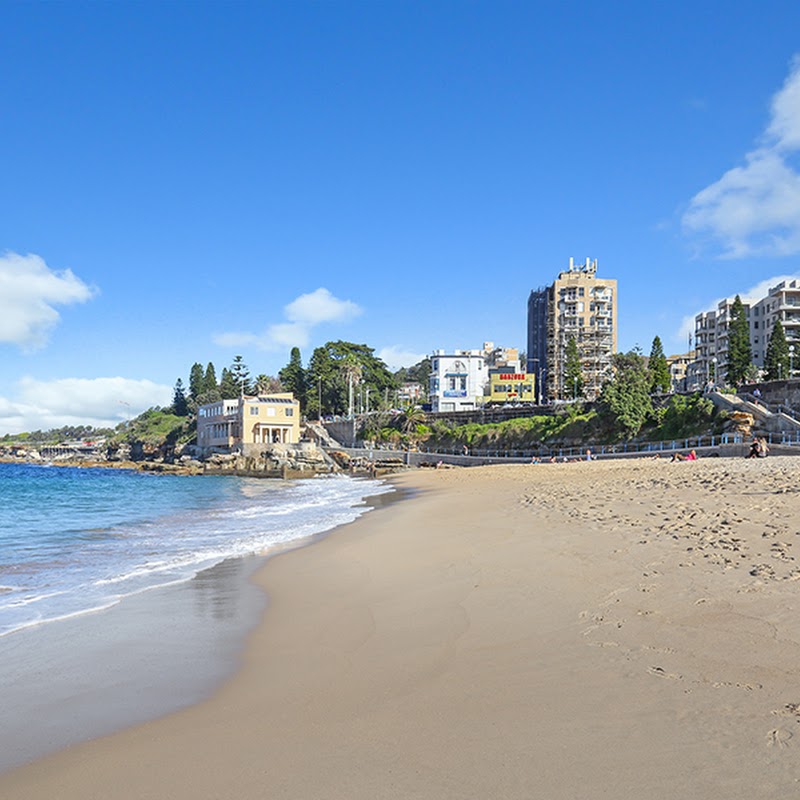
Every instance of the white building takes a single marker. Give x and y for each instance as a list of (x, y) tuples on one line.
[(459, 379), (782, 302)]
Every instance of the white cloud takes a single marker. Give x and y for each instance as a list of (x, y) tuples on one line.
[(29, 290), (320, 306), (751, 295), (395, 357), (100, 402), (303, 315), (754, 209)]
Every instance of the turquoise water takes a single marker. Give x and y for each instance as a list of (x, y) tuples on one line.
[(78, 540)]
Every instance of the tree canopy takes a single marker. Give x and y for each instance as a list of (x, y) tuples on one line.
[(740, 354), (293, 377), (658, 369), (330, 370), (180, 407), (573, 371), (777, 356), (626, 397)]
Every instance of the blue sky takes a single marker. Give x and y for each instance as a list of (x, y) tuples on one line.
[(189, 181)]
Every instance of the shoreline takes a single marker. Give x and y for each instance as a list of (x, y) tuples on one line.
[(112, 668), (615, 629)]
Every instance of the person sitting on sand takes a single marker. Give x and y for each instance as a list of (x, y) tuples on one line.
[(755, 447)]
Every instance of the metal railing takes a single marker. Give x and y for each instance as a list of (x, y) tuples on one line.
[(773, 408), (621, 449), (599, 450)]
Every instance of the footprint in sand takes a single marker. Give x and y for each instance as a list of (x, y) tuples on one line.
[(662, 673), (779, 737), (789, 710)]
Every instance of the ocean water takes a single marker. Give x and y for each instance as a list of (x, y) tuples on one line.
[(77, 540)]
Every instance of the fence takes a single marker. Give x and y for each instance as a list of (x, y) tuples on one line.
[(624, 449)]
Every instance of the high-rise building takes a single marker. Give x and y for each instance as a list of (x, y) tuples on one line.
[(580, 306), (782, 302)]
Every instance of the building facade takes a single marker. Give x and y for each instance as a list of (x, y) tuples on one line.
[(782, 302), (247, 422), (511, 387), (581, 306), (459, 379)]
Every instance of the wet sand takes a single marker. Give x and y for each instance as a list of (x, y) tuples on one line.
[(621, 630)]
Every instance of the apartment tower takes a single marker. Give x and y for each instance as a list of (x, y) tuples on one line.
[(580, 306)]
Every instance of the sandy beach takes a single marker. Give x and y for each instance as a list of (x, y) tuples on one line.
[(586, 630)]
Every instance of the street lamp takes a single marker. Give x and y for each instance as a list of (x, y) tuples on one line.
[(714, 370), (791, 361)]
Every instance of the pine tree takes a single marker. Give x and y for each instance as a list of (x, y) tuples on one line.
[(293, 377), (658, 369), (179, 406), (228, 387), (777, 357), (573, 374), (740, 354), (210, 380), (241, 376), (196, 381)]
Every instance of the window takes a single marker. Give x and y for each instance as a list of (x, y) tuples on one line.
[(254, 411), (580, 292), (289, 412), (755, 324)]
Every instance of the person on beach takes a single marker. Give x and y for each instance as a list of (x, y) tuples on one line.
[(692, 456), (758, 448), (589, 456)]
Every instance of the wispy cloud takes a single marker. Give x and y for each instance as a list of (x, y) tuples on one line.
[(302, 315), (396, 357), (100, 402), (754, 209), (29, 292), (751, 295)]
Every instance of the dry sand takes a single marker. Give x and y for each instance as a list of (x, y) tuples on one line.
[(589, 630)]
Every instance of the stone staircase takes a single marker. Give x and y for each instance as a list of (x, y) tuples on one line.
[(764, 419), (318, 432)]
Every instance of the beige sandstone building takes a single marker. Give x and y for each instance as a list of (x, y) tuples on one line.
[(248, 422), (577, 305)]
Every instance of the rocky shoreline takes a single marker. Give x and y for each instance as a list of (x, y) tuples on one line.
[(276, 461), (304, 460)]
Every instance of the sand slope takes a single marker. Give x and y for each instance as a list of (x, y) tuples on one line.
[(588, 630)]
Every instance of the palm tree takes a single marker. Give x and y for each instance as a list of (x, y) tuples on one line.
[(352, 370), (411, 418), (267, 384)]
